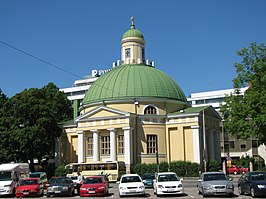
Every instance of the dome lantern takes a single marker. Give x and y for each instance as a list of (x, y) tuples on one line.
[(133, 46)]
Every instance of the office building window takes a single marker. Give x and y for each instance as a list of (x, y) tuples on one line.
[(105, 145), (232, 144), (120, 144), (254, 143), (150, 110), (90, 146), (151, 144)]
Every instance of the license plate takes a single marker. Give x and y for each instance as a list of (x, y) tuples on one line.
[(91, 191), (25, 193), (219, 190), (170, 190), (132, 190), (57, 191)]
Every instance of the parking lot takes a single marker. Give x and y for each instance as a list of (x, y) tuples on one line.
[(190, 189)]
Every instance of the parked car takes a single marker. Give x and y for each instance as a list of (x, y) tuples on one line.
[(131, 184), (75, 180), (29, 187), (233, 169), (94, 185), (215, 183), (253, 183), (41, 175), (167, 183), (243, 169), (147, 179), (60, 186)]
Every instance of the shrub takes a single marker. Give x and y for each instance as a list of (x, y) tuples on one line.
[(213, 165), (60, 171)]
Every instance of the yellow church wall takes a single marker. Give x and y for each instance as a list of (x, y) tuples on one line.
[(189, 147)]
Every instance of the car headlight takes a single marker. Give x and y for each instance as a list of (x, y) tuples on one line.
[(141, 187), (180, 185), (101, 187), (144, 181), (229, 186), (260, 186), (122, 188), (19, 191), (160, 186), (65, 187), (206, 187), (49, 188), (83, 189)]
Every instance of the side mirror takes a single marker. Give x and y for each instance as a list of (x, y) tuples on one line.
[(199, 180), (154, 180), (181, 179), (117, 182)]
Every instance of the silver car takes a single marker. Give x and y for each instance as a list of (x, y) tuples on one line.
[(215, 183)]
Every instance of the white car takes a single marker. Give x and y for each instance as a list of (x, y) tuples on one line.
[(131, 184), (167, 183)]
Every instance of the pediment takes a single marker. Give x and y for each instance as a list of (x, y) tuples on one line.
[(102, 112)]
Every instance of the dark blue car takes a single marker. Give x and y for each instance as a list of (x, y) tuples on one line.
[(253, 183), (147, 179)]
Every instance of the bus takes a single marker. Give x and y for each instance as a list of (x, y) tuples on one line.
[(114, 170)]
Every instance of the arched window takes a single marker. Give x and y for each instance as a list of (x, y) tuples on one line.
[(150, 110)]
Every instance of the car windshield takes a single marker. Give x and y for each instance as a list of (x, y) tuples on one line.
[(5, 175), (168, 177), (127, 179), (258, 176), (74, 177), (212, 177), (148, 176), (59, 180), (93, 181), (35, 175), (28, 182)]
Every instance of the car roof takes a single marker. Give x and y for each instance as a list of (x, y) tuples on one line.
[(30, 179), (125, 175), (165, 173), (213, 172)]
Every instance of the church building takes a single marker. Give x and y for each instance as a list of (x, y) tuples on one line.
[(136, 113)]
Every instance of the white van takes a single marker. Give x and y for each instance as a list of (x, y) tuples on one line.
[(9, 177)]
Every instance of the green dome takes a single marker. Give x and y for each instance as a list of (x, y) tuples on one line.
[(133, 81), (133, 33)]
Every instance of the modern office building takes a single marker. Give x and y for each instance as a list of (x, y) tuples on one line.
[(135, 113)]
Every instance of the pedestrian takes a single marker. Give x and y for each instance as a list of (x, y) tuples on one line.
[(80, 179)]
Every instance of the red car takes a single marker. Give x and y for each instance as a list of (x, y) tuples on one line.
[(243, 169), (29, 187), (94, 185), (233, 169)]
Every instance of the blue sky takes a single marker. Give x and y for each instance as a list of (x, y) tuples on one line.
[(194, 42)]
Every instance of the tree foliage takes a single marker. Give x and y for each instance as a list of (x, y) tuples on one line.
[(28, 124), (245, 115)]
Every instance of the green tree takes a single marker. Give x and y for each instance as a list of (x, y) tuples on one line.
[(245, 115), (28, 124), (3, 99)]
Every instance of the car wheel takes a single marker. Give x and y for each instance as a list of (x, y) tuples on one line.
[(252, 192), (240, 191), (203, 194)]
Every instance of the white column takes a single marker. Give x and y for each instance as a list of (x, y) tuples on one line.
[(81, 147), (96, 153), (112, 144), (196, 144), (128, 150)]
